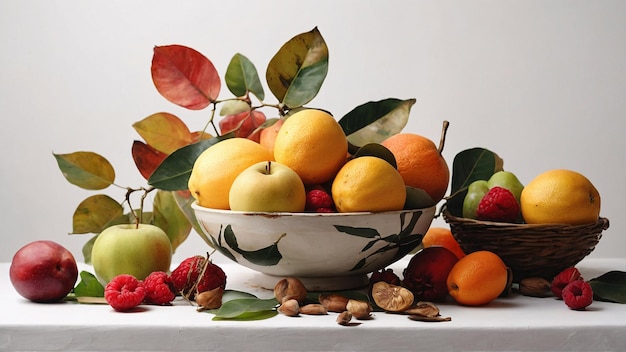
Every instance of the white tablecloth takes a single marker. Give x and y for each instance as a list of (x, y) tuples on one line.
[(516, 323)]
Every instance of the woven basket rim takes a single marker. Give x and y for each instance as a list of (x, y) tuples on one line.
[(600, 225)]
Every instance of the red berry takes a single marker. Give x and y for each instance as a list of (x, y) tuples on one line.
[(187, 277), (563, 279), (578, 294), (318, 200), (159, 288), (124, 292), (186, 273), (499, 204)]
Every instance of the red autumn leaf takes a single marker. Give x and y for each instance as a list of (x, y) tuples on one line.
[(146, 158), (184, 76), (243, 124)]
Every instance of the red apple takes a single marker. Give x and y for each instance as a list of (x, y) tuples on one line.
[(43, 271)]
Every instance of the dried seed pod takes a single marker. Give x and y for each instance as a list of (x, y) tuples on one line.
[(359, 309), (313, 309), (344, 318), (425, 309), (535, 287), (290, 288), (392, 298), (333, 302), (210, 299), (290, 308), (429, 319)]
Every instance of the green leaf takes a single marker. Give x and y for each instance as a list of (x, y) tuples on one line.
[(610, 287), (417, 198), (468, 166), (173, 173), (87, 170), (86, 250), (296, 72), (230, 295), (184, 200), (94, 213), (266, 256), (89, 286), (247, 309), (242, 77), (170, 218), (234, 107), (378, 150), (375, 121)]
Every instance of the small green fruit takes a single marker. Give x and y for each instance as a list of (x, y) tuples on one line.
[(508, 180), (475, 193)]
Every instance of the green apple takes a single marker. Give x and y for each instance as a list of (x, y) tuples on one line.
[(508, 180), (267, 186), (475, 192), (130, 249)]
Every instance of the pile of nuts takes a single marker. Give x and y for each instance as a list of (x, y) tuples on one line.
[(292, 296)]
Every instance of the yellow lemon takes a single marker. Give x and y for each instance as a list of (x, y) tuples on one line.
[(368, 183), (217, 167), (312, 143), (560, 197)]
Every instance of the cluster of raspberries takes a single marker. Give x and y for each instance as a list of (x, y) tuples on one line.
[(194, 275), (570, 286)]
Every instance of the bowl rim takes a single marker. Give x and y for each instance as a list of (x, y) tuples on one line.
[(196, 206)]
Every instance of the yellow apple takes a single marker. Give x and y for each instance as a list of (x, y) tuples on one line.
[(128, 249), (267, 186)]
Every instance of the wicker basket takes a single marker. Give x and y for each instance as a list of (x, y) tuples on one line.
[(528, 250)]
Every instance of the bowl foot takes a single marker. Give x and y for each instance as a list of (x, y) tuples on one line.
[(315, 283)]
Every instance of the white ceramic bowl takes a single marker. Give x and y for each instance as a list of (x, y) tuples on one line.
[(327, 251)]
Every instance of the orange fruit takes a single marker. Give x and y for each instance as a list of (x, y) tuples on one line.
[(442, 237), (217, 167), (312, 143), (368, 183), (478, 278), (420, 163), (268, 135), (560, 197)]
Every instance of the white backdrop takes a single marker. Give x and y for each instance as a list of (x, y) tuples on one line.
[(539, 82)]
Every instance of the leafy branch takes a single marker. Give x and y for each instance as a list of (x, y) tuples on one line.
[(168, 149)]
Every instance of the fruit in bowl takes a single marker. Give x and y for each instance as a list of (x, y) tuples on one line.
[(346, 171), (327, 251)]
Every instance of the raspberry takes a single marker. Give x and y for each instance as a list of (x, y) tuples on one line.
[(563, 279), (159, 289), (318, 200), (124, 292), (578, 294), (186, 274), (187, 277), (499, 204)]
